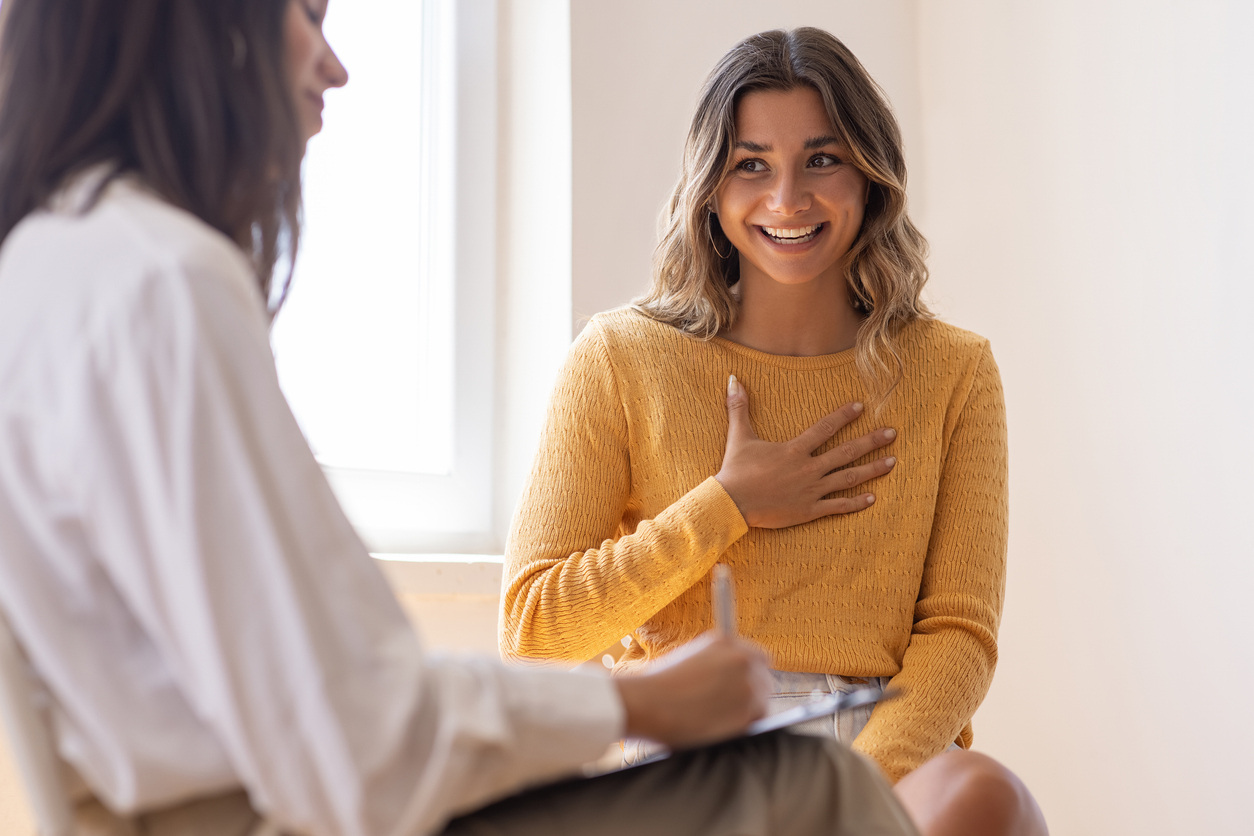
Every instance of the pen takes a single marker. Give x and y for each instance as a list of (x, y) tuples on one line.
[(724, 601)]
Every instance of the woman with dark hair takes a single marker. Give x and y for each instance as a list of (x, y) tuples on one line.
[(790, 272), (209, 638), (193, 102)]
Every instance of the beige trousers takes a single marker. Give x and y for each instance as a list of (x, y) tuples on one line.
[(780, 783), (222, 815)]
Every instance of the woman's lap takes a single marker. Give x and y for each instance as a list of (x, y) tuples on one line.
[(793, 689)]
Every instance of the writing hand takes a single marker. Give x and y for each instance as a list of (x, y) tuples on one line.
[(710, 689), (778, 484)]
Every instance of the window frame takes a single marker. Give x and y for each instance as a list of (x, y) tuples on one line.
[(415, 513)]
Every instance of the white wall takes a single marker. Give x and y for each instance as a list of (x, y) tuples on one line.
[(533, 232), (1089, 183)]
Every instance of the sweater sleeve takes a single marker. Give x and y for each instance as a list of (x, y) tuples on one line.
[(574, 581), (948, 664)]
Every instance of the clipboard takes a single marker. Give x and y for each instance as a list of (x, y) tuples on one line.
[(824, 706)]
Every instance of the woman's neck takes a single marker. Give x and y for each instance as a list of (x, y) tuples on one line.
[(795, 320)]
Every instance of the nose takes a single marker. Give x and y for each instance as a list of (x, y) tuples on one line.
[(789, 194), (333, 70)]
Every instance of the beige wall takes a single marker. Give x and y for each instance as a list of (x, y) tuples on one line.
[(1089, 185), (454, 605)]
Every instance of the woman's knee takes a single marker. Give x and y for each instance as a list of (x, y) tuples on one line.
[(970, 793)]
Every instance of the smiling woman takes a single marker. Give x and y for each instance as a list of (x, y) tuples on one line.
[(792, 207), (788, 183), (788, 270)]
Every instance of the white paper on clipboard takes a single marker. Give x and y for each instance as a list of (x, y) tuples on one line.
[(823, 706)]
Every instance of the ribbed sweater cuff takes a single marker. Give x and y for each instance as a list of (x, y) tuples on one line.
[(719, 509)]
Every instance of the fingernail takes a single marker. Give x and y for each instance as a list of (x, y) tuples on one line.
[(731, 385), (870, 498), (890, 433), (857, 407), (890, 461)]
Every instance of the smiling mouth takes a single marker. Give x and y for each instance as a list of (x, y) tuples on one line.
[(796, 235)]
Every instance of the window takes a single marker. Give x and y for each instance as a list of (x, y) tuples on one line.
[(385, 347)]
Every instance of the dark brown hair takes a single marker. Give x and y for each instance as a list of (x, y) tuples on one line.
[(886, 268), (190, 95)]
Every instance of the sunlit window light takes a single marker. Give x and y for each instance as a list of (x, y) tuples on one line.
[(364, 346)]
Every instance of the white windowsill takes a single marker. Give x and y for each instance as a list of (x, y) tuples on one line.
[(443, 574)]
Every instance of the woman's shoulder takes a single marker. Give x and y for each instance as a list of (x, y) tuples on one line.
[(108, 225), (165, 236), (117, 264), (934, 342), (112, 271), (626, 330)]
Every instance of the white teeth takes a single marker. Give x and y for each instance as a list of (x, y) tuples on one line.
[(794, 236)]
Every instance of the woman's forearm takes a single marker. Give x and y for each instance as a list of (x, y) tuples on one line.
[(565, 602)]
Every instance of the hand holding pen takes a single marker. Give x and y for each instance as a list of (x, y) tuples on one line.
[(709, 689)]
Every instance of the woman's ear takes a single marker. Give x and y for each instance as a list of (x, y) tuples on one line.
[(712, 204)]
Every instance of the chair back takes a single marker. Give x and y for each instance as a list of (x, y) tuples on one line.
[(30, 740)]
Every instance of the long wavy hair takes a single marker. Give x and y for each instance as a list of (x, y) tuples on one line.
[(692, 282), (191, 96)]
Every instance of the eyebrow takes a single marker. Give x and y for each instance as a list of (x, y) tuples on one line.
[(810, 144)]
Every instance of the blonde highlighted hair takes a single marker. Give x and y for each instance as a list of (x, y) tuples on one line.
[(886, 271)]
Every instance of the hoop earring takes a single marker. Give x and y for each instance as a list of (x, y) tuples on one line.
[(709, 231), (858, 299)]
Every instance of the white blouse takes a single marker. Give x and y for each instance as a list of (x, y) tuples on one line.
[(179, 573)]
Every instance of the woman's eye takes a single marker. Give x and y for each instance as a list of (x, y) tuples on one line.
[(751, 166), (823, 161)]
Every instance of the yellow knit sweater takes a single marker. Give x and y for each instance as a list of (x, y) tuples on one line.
[(622, 521)]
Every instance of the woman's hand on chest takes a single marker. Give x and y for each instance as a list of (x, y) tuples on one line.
[(776, 485)]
